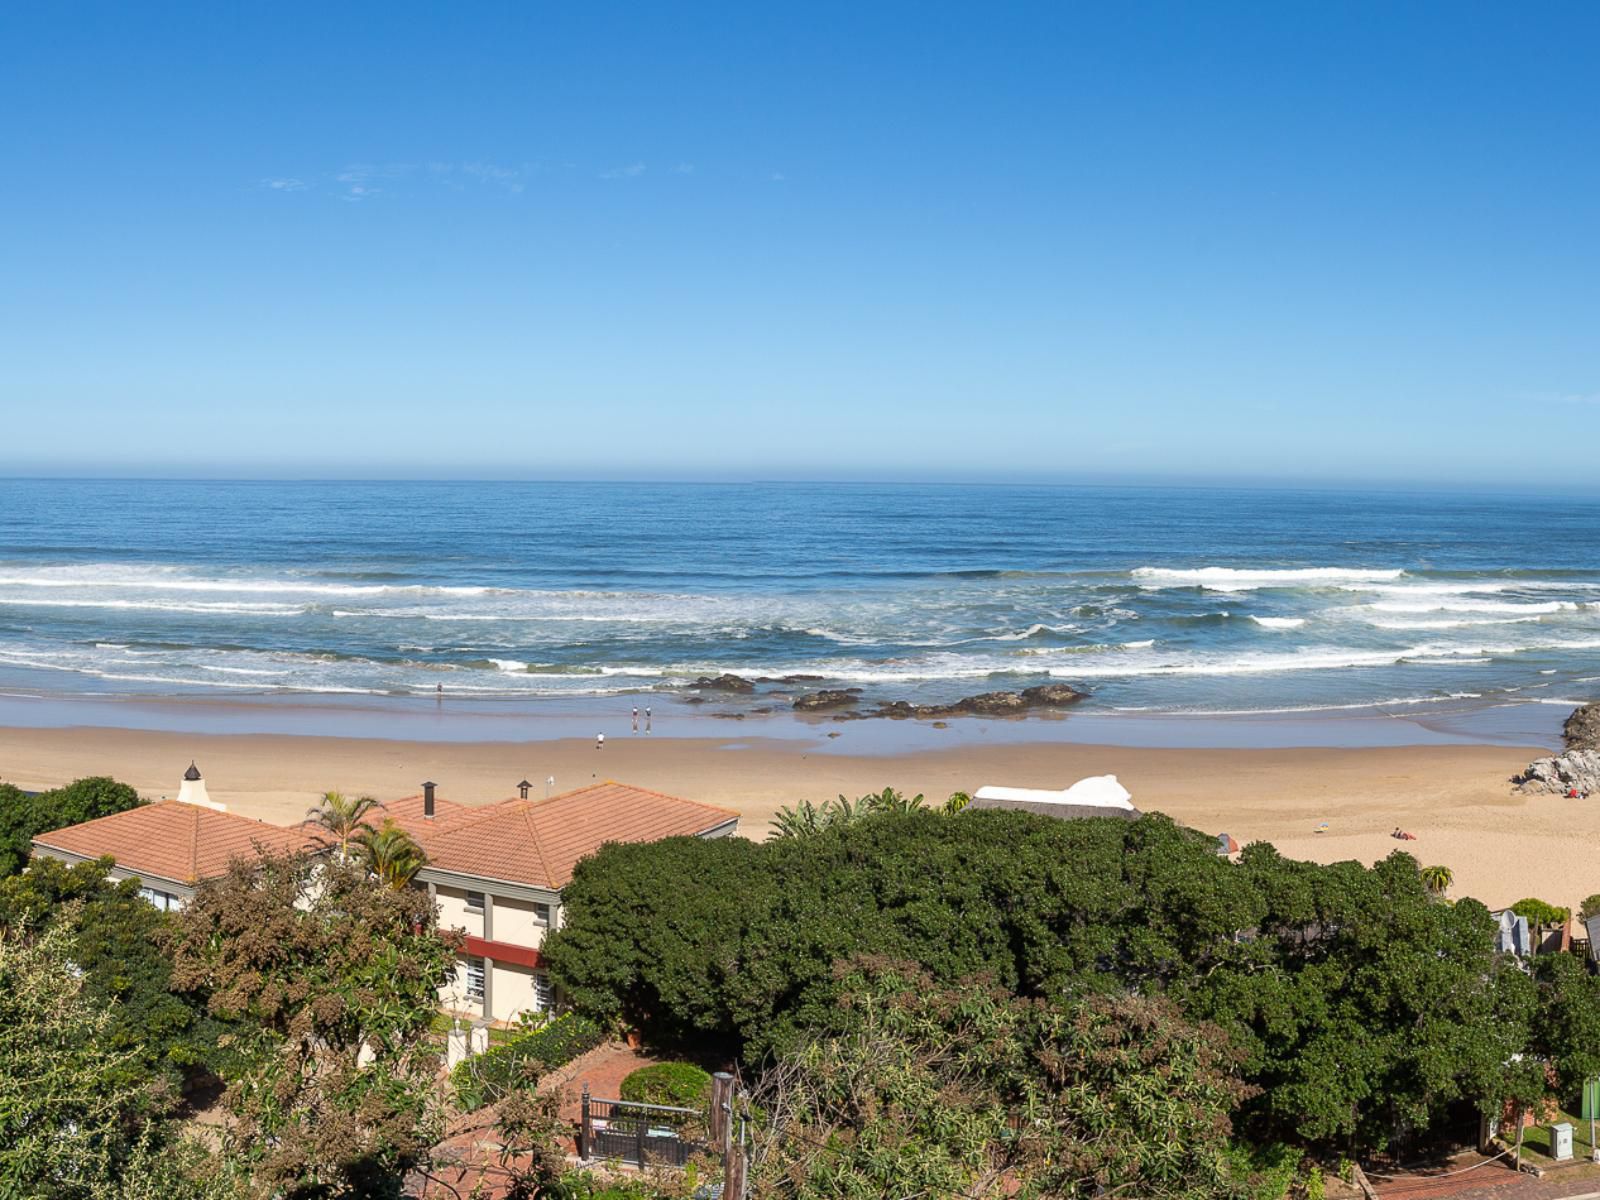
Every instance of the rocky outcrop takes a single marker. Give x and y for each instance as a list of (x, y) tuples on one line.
[(1582, 730), (827, 698), (723, 683), (1578, 766), (986, 704), (1561, 773)]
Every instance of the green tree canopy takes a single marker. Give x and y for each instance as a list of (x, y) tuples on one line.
[(917, 1089), (333, 977), (1364, 1007), (24, 817), (166, 1039), (66, 1097)]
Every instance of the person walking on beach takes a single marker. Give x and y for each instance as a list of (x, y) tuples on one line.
[(636, 718), (647, 719), (599, 741)]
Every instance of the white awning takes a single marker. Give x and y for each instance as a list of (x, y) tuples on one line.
[(1098, 791)]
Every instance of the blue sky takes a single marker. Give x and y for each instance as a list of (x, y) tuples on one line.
[(1322, 242)]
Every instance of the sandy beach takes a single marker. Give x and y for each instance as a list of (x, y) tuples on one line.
[(1457, 799)]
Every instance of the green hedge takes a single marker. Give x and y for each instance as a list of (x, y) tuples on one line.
[(679, 1084), (487, 1077)]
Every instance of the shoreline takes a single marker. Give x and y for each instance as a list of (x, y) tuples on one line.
[(1456, 797), (454, 719)]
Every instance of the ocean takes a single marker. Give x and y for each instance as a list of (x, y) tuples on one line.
[(1150, 599)]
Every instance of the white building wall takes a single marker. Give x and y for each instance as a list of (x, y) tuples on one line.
[(517, 921), (454, 913)]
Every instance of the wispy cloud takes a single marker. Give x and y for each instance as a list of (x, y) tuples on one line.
[(776, 176), (282, 184), (631, 171), (683, 168)]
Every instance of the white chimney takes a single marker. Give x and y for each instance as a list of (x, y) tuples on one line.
[(193, 791)]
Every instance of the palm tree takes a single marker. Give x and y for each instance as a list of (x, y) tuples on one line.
[(1437, 879), (342, 818), (957, 802), (392, 854)]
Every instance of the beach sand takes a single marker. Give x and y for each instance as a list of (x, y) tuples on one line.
[(1457, 799)]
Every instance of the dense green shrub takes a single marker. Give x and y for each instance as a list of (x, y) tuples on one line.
[(487, 1077), (680, 1084), (24, 817), (1362, 1005)]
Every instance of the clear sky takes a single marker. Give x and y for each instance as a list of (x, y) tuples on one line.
[(864, 240)]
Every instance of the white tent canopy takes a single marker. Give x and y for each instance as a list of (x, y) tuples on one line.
[(1098, 791)]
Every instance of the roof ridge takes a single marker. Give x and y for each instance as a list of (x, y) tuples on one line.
[(538, 842), (194, 846), (633, 787)]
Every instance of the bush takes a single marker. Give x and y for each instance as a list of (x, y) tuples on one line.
[(1538, 912), (519, 1062), (1590, 907), (678, 1084)]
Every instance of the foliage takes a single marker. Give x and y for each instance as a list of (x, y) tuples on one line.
[(1437, 879), (1566, 1027), (1539, 913), (24, 817), (342, 818), (969, 1092), (172, 1169), (806, 819), (391, 854), (1590, 907), (1365, 1008), (679, 1084), (65, 1095), (334, 978), (518, 1063), (113, 934)]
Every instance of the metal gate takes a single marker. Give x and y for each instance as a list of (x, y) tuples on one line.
[(638, 1134)]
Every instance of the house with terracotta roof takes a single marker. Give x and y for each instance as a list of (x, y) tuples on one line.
[(497, 871), (170, 846)]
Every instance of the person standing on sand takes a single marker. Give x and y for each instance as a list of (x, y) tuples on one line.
[(599, 741), (647, 719), (636, 718)]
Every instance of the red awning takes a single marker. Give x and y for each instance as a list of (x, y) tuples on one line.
[(505, 952)]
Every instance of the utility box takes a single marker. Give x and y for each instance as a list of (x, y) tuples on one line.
[(1561, 1141)]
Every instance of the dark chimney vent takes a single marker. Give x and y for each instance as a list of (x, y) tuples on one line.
[(192, 773), (427, 798), (523, 788)]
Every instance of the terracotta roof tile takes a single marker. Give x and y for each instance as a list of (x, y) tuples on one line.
[(538, 842), (405, 812), (171, 840)]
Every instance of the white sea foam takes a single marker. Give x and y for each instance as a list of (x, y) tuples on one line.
[(216, 608), (510, 665), (1232, 579), (1472, 606), (1279, 622)]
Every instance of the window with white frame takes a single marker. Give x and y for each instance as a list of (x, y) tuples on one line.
[(541, 915), (475, 979), (474, 901), (165, 901), (544, 996)]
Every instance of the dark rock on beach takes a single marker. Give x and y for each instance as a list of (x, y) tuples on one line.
[(825, 699), (1582, 730), (987, 704), (723, 683)]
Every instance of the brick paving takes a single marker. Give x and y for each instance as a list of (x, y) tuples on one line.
[(1475, 1177)]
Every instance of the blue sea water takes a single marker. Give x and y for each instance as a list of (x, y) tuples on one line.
[(1152, 599)]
